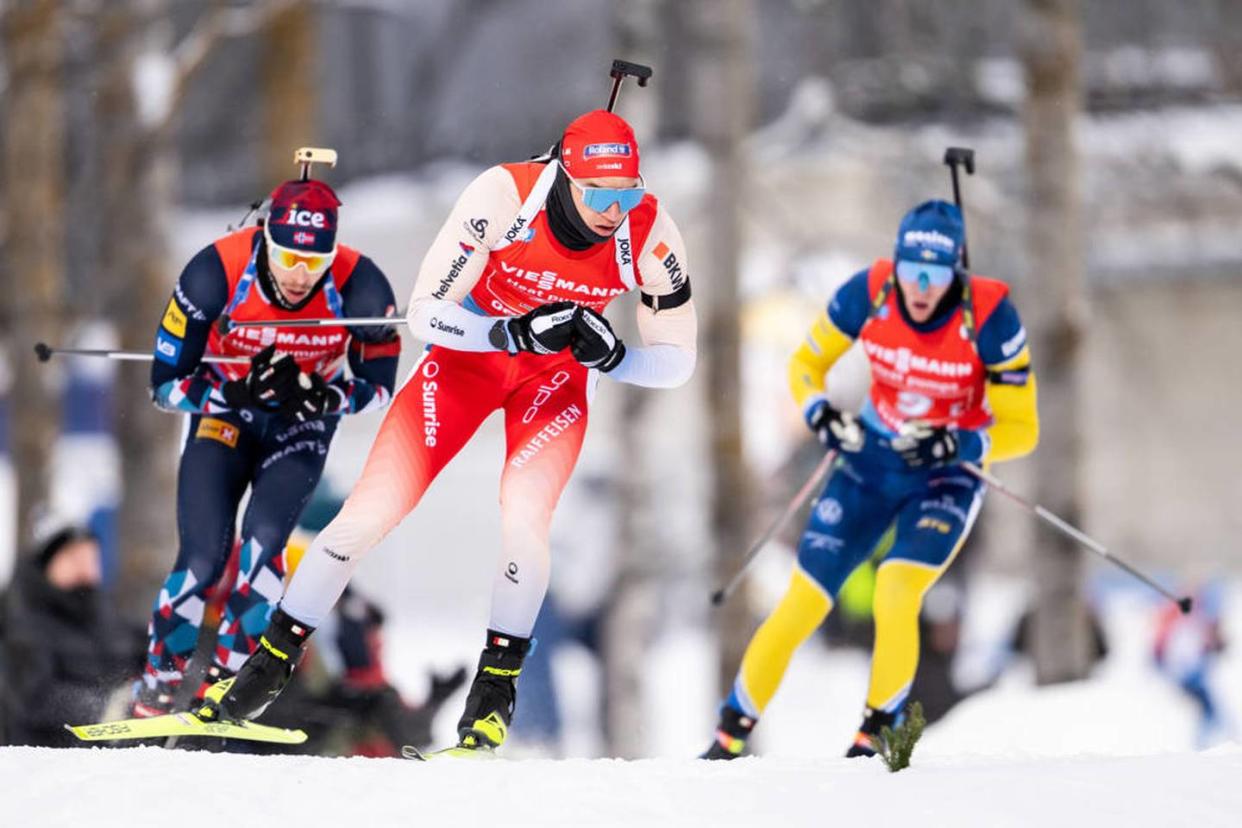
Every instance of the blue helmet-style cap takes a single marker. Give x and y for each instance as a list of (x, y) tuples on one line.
[(933, 233)]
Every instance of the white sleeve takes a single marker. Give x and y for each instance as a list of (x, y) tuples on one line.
[(456, 260), (668, 354), (655, 366)]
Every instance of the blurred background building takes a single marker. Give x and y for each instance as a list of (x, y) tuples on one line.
[(787, 137)]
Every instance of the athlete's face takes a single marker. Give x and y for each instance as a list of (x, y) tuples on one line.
[(607, 222), (295, 283), (923, 285), (922, 297)]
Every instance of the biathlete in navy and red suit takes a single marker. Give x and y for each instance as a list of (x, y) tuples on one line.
[(264, 422)]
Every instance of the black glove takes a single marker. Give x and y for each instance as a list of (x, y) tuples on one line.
[(545, 330), (272, 378), (922, 445), (310, 398), (594, 344), (835, 429)]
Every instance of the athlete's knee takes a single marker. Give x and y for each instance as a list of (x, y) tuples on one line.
[(803, 607), (528, 515), (362, 522), (899, 589), (264, 539), (195, 571)]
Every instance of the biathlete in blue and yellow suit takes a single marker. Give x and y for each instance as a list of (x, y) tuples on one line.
[(951, 382), (264, 422)]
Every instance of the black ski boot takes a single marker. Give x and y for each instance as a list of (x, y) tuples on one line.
[(867, 740), (731, 734), (260, 680), (493, 695)]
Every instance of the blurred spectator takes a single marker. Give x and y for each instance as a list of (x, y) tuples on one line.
[(65, 651), (1186, 649)]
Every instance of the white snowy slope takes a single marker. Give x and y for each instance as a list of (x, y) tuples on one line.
[(136, 786)]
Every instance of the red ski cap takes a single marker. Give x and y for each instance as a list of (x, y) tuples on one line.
[(303, 216), (600, 144)]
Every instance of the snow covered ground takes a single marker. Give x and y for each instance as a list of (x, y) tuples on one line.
[(1113, 750), (133, 787)]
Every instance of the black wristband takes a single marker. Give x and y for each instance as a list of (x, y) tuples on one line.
[(498, 337), (668, 301), (614, 359)]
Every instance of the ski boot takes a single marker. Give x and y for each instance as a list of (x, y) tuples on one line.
[(260, 680), (867, 740), (214, 674), (151, 700), (493, 695), (731, 734)]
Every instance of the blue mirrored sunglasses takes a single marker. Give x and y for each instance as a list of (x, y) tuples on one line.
[(925, 274), (600, 199)]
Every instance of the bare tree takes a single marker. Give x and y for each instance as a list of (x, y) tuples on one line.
[(287, 68), (633, 611), (34, 273), (723, 83), (135, 274), (1052, 53)]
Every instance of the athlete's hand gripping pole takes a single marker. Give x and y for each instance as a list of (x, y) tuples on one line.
[(809, 488), (1184, 603)]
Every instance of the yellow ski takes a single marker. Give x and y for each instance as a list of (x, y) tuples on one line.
[(184, 724), (455, 752)]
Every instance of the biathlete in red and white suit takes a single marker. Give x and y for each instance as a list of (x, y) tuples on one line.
[(510, 296), (264, 423)]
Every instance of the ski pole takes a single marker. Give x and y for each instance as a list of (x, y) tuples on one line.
[(808, 488), (348, 322), (1184, 603), (621, 69), (966, 157), (45, 352)]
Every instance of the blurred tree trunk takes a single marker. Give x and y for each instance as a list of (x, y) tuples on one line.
[(31, 303), (290, 100), (1052, 51), (135, 276), (633, 612), (723, 84)]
